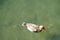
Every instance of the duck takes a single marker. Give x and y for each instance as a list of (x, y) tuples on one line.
[(33, 27)]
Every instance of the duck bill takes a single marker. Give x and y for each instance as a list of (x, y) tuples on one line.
[(43, 28)]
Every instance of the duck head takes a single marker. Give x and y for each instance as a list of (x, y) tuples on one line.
[(41, 27)]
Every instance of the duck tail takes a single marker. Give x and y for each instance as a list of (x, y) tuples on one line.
[(24, 24)]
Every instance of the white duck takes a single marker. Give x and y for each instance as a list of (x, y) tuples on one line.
[(33, 27)]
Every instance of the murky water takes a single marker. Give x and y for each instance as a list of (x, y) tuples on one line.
[(40, 12)]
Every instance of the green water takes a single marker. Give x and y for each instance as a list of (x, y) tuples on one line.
[(41, 12)]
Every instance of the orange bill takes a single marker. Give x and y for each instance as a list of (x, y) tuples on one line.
[(43, 28)]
